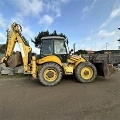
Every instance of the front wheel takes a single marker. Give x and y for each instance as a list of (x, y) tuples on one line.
[(85, 72), (50, 74)]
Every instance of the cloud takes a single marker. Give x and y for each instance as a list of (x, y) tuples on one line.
[(87, 9), (18, 19), (98, 40), (2, 21), (114, 14), (54, 7), (29, 7), (104, 34), (88, 38), (38, 8), (46, 20), (65, 1), (35, 50), (27, 32)]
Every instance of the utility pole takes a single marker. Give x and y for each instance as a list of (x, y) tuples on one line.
[(118, 40)]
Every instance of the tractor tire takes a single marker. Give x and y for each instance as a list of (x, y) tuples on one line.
[(50, 74), (85, 72)]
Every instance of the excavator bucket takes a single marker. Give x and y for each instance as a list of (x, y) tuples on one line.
[(15, 60), (104, 69)]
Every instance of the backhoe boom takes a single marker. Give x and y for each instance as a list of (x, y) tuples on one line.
[(14, 35)]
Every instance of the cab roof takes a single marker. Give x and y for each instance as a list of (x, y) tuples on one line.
[(53, 37)]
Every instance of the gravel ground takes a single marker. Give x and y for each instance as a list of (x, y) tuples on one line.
[(26, 99)]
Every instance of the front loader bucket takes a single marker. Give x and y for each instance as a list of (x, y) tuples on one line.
[(105, 70), (109, 70)]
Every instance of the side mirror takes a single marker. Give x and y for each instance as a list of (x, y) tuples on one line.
[(71, 51)]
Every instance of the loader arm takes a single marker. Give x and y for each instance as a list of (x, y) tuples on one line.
[(14, 35)]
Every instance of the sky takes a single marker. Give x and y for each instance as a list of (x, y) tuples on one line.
[(89, 24)]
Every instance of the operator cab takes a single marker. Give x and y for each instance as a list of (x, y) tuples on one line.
[(54, 45)]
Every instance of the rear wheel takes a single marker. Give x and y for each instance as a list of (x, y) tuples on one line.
[(50, 74), (85, 72)]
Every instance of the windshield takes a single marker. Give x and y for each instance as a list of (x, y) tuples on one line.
[(59, 47), (47, 47), (53, 46)]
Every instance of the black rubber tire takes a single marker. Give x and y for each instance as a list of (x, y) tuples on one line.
[(79, 69), (54, 66)]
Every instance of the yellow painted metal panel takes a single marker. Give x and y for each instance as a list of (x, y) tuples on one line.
[(50, 58)]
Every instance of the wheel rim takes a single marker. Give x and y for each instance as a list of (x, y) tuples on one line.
[(86, 73), (50, 74)]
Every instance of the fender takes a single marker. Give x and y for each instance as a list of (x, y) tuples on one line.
[(50, 58), (79, 61)]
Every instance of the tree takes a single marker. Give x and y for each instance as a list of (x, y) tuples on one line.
[(37, 40), (2, 48), (81, 52)]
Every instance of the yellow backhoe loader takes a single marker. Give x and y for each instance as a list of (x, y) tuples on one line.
[(54, 59)]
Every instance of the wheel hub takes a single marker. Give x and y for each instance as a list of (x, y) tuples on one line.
[(86, 73), (50, 74)]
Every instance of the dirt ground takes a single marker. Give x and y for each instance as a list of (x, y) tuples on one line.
[(26, 99)]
